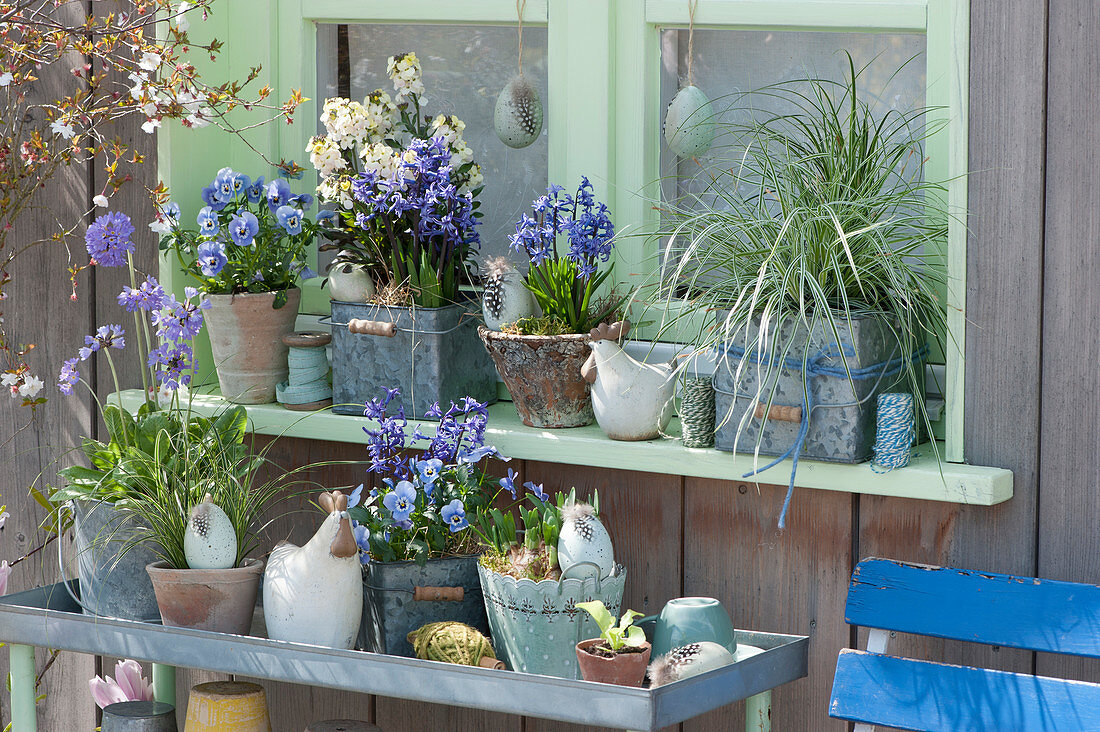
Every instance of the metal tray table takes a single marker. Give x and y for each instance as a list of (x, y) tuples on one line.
[(48, 617)]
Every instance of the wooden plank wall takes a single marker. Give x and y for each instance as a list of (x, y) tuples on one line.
[(1033, 405)]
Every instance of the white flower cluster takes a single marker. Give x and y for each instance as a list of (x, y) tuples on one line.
[(336, 189), (450, 129), (345, 121), (382, 115), (404, 71), (21, 384), (154, 100), (325, 155), (379, 158)]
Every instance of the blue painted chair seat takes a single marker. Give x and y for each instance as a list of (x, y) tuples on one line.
[(980, 607)]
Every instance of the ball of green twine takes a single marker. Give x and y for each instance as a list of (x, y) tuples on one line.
[(697, 412), (451, 642)]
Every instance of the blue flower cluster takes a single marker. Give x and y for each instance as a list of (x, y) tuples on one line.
[(175, 326), (108, 239), (420, 200), (584, 221)]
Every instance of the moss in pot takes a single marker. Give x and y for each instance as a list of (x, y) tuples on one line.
[(620, 655)]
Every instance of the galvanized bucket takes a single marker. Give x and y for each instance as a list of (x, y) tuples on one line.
[(400, 597), (536, 626), (111, 585), (841, 423), (431, 354)]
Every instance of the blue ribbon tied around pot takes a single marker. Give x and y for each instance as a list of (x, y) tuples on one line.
[(816, 366)]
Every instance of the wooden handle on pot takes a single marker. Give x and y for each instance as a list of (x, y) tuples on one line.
[(439, 594), (493, 663), (778, 413), (372, 327)]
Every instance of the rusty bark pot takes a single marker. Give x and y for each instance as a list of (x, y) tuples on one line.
[(543, 375), (221, 600), (246, 338), (622, 669)]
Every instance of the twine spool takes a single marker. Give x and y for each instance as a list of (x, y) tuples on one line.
[(697, 412), (895, 432), (453, 642), (306, 387)]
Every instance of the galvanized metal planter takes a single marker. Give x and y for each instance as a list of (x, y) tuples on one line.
[(841, 425), (395, 601), (431, 354), (536, 626), (115, 584)]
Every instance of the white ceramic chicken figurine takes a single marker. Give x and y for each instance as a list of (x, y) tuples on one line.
[(314, 593), (632, 400)]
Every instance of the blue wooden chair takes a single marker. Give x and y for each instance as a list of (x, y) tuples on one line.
[(871, 687)]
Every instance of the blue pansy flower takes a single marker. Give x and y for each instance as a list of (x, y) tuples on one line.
[(290, 219), (356, 495), (304, 200), (454, 513), (278, 194), (536, 490), (429, 471), (241, 182), (327, 216), (208, 221), (362, 539), (243, 228), (401, 501), (171, 211), (211, 258), (475, 455), (255, 191), (223, 185), (210, 199), (507, 483)]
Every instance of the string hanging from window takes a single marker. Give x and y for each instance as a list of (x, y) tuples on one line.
[(517, 117), (689, 120)]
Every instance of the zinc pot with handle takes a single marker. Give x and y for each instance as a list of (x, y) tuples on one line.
[(246, 338), (113, 580), (400, 597), (431, 354)]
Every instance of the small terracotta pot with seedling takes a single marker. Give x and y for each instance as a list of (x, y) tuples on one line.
[(621, 653)]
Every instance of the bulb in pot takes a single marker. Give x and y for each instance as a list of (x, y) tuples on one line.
[(209, 542)]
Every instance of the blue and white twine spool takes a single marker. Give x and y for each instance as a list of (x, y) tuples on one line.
[(895, 432), (307, 386)]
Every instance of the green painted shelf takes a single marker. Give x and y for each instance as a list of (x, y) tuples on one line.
[(924, 478)]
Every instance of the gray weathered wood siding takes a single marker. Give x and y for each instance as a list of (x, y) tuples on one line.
[(1032, 405)]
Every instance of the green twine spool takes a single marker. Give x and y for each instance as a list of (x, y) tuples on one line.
[(451, 642), (697, 412)]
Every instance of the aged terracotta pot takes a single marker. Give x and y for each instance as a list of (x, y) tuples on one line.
[(543, 374), (622, 669), (221, 600), (246, 338)]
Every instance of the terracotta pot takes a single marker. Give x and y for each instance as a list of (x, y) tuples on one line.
[(543, 374), (246, 338), (221, 600), (622, 669)]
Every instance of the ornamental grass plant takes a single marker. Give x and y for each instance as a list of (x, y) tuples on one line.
[(823, 218)]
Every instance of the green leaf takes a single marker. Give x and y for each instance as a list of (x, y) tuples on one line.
[(628, 619), (599, 613), (635, 636)]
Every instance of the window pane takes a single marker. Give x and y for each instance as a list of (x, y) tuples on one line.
[(465, 67)]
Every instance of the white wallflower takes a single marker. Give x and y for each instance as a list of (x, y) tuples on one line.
[(474, 179), (336, 190), (325, 156), (381, 113), (380, 158), (346, 122), (404, 71)]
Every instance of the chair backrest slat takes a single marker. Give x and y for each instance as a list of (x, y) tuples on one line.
[(981, 607), (937, 697)]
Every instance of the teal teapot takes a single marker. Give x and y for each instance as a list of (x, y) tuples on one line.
[(689, 620)]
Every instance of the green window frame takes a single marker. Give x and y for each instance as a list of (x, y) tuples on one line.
[(603, 106)]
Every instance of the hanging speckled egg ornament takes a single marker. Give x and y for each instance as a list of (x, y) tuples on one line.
[(689, 123), (518, 114), (582, 542), (505, 300), (209, 542), (687, 661)]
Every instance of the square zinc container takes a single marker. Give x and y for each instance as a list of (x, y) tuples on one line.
[(430, 354), (842, 422)]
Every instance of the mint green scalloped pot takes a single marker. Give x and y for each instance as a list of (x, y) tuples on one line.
[(535, 626)]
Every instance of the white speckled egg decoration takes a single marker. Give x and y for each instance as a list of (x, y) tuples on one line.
[(687, 661), (506, 300), (209, 541), (689, 123), (583, 538), (518, 113)]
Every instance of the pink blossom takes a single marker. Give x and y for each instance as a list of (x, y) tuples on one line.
[(5, 572), (127, 685)]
